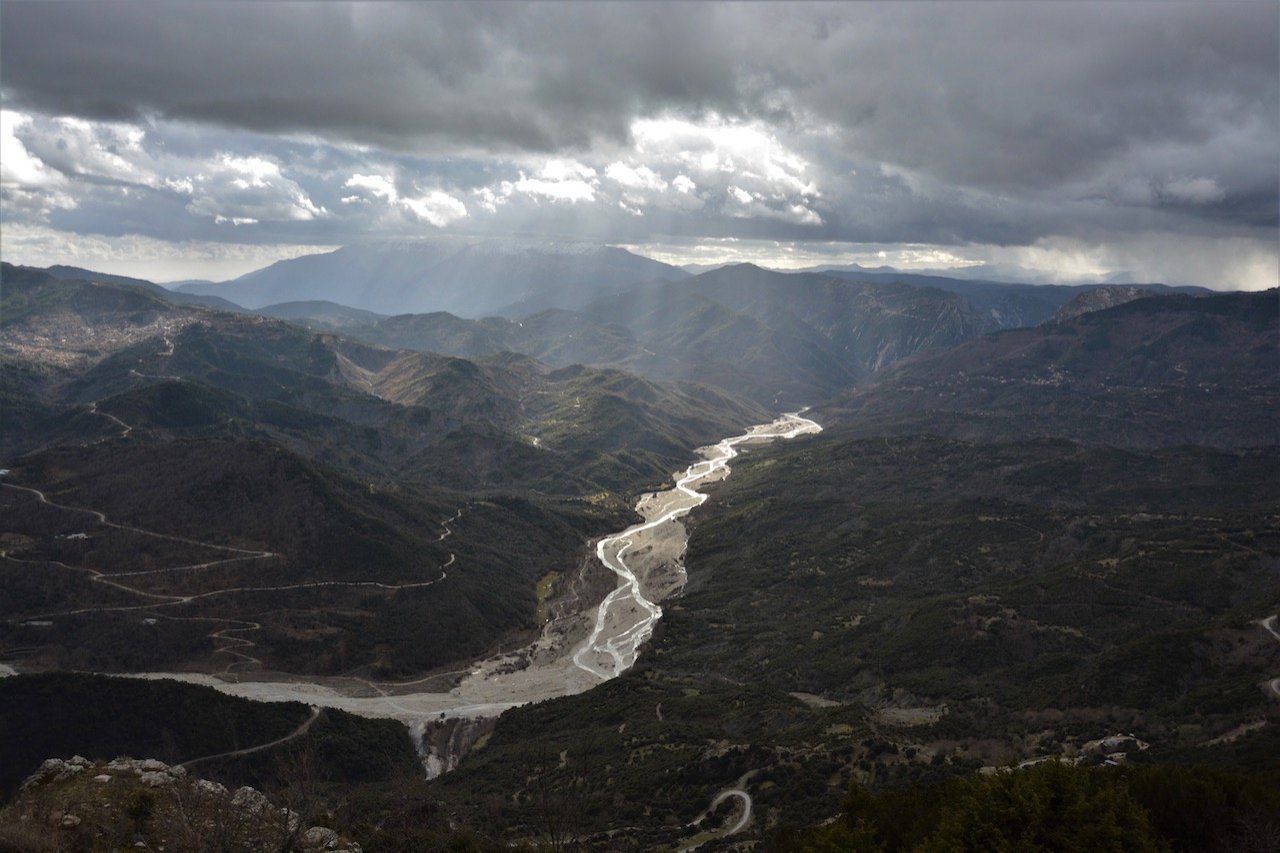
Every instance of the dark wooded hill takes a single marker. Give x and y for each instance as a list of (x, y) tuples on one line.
[(101, 718), (884, 605), (76, 345), (345, 461), (896, 610), (1159, 371)]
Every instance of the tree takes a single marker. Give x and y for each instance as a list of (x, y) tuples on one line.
[(1051, 806)]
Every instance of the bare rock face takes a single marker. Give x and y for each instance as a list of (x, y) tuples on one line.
[(155, 779), (320, 838), (125, 803), (1099, 299)]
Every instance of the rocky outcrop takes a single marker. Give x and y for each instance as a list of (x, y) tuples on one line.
[(1098, 299), (77, 804)]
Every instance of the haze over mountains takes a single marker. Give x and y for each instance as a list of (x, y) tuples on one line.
[(513, 278), (781, 339), (465, 277), (598, 427)]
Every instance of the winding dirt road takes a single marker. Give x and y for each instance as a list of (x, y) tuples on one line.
[(1269, 625), (647, 559), (737, 826), (227, 645), (249, 750)]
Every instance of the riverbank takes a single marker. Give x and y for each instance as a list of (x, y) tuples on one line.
[(574, 652)]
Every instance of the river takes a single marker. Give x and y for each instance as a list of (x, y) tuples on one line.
[(574, 652)]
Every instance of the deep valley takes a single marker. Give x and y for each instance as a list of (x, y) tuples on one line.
[(987, 547)]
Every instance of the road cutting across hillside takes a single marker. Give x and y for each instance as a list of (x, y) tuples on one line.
[(574, 652)]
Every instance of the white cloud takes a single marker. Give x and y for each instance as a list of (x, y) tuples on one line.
[(144, 257), (559, 180), (70, 162), (18, 166), (742, 204), (376, 185), (566, 170), (1222, 263), (802, 215), (489, 199), (27, 184), (746, 165), (248, 190), (100, 151), (436, 207), (635, 178), (749, 153), (570, 191)]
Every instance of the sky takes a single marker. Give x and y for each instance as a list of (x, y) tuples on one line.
[(1048, 141)]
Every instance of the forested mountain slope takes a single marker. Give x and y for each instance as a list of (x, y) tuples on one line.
[(283, 499), (1159, 371)]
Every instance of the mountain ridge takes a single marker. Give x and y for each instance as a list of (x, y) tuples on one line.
[(468, 277)]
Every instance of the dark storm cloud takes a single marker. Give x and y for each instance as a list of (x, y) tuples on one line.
[(997, 95), (1009, 96), (404, 75), (953, 123)]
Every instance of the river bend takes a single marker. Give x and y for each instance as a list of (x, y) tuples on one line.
[(648, 559)]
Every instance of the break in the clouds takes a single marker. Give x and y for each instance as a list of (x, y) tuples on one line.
[(1136, 137)]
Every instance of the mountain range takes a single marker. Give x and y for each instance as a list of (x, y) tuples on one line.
[(471, 278), (1036, 517), (782, 340), (1150, 372), (342, 458)]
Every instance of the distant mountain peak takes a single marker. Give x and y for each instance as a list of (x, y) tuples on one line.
[(467, 276)]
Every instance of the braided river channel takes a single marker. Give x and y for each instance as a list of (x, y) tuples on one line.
[(576, 650)]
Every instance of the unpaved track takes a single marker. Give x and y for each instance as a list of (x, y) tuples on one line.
[(1269, 625), (249, 750), (227, 644), (647, 558), (102, 519), (738, 825)]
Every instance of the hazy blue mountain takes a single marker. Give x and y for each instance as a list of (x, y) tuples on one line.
[(780, 339), (784, 339), (467, 277), (321, 312), (699, 269), (68, 345)]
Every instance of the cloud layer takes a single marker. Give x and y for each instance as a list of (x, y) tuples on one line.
[(956, 124)]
